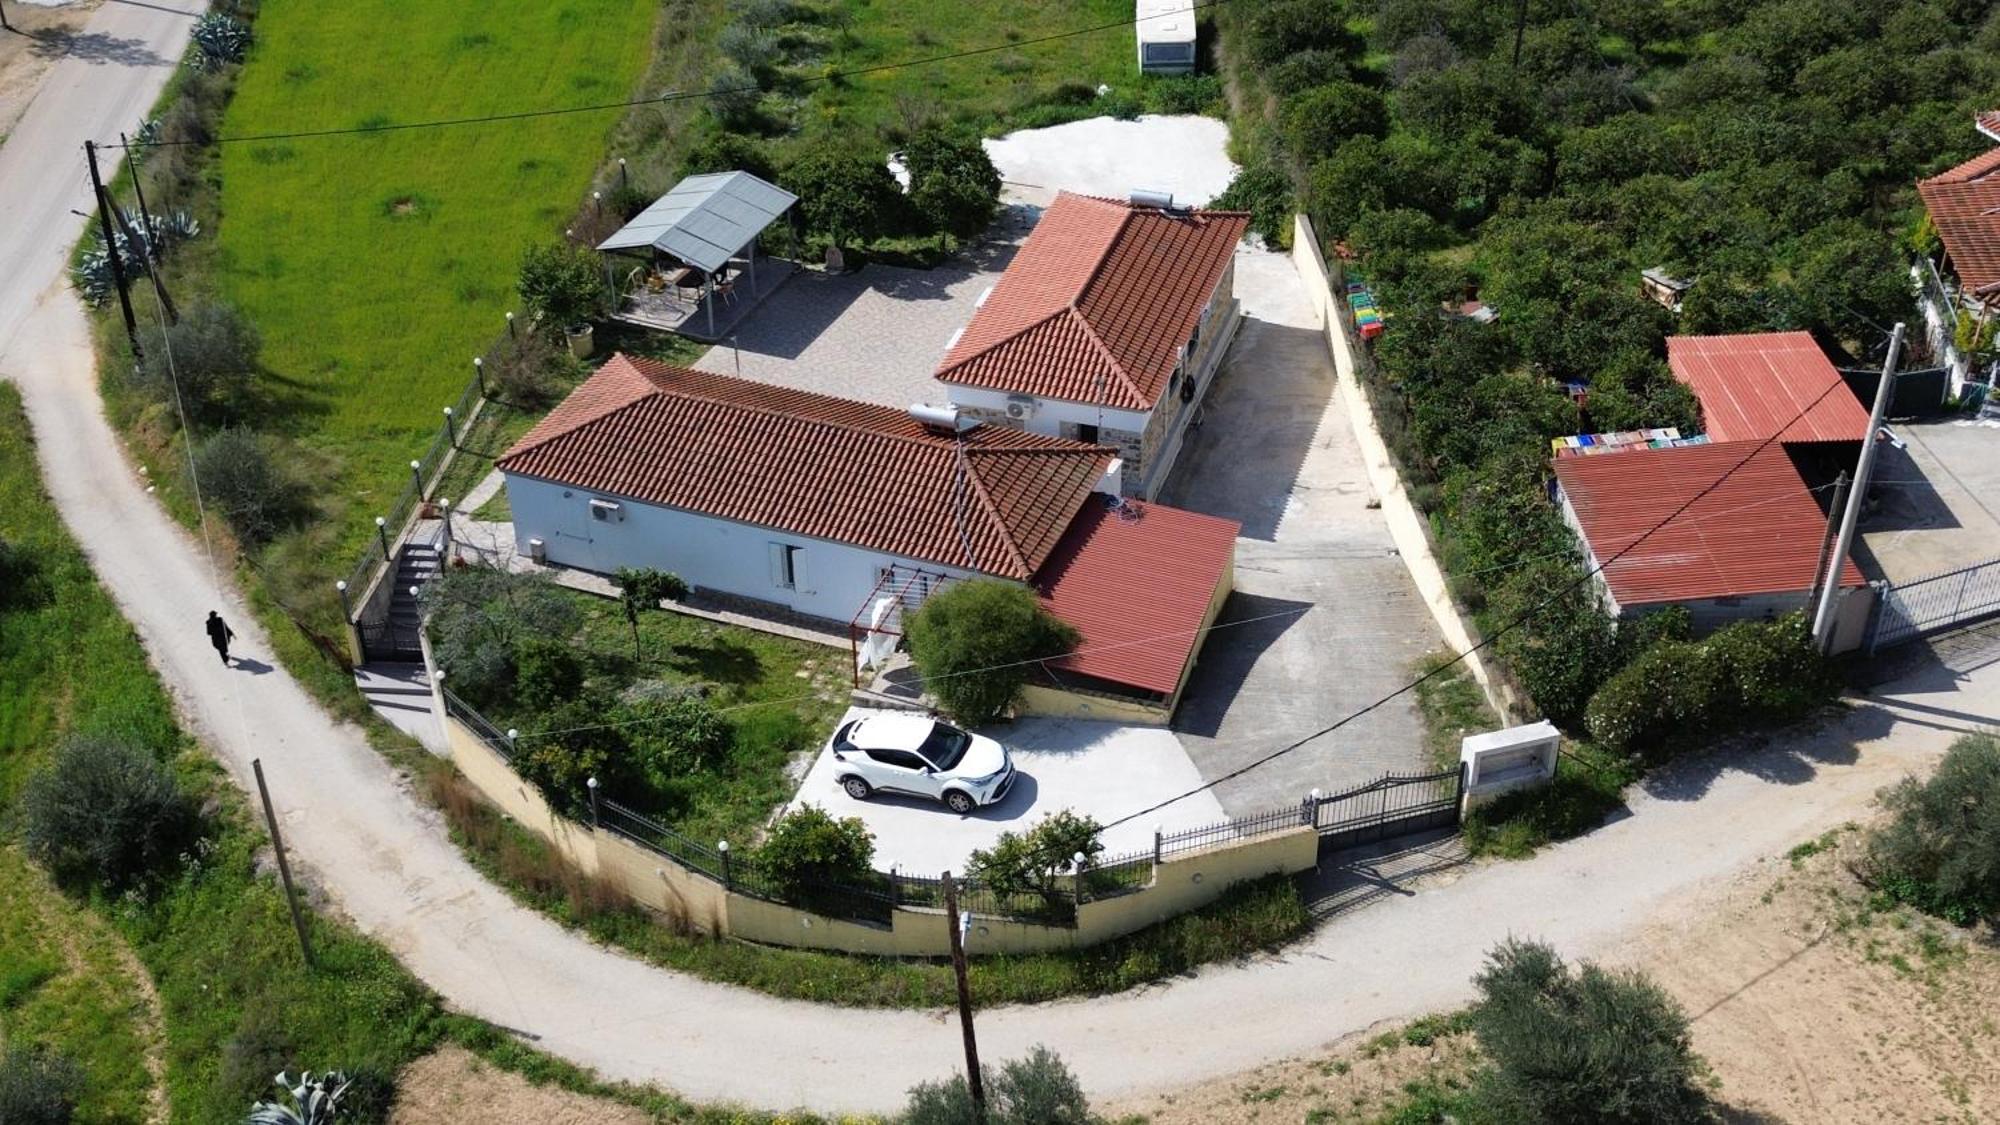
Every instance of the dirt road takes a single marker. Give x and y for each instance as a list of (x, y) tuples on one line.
[(383, 857)]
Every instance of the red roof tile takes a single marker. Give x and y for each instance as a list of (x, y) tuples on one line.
[(811, 464), (1758, 531), (1753, 385), (1097, 304), (1988, 123), (1137, 582), (1965, 208)]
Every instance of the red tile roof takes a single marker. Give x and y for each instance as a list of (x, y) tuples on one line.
[(1137, 582), (1752, 386), (1758, 531), (1965, 208), (811, 464), (1097, 304), (1988, 123)]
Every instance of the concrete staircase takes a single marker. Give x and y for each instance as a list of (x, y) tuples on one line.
[(417, 564)]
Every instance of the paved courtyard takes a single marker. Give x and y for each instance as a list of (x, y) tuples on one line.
[(1100, 769), (1939, 506), (1332, 621)]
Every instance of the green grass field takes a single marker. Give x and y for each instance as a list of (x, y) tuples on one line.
[(377, 266)]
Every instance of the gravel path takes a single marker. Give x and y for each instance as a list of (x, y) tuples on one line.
[(359, 833)]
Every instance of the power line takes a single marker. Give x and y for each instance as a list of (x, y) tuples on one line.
[(673, 96)]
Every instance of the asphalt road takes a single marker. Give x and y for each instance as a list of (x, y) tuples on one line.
[(362, 837)]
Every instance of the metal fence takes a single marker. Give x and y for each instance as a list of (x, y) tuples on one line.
[(1910, 610), (1391, 805), (476, 723)]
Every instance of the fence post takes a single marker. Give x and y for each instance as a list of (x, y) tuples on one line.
[(450, 434), (382, 536), (895, 880), (722, 849), (591, 783), (479, 365), (1156, 845), (445, 504), (346, 610), (1309, 809), (514, 746)]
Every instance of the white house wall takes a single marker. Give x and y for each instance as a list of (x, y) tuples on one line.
[(833, 579), (1047, 415)]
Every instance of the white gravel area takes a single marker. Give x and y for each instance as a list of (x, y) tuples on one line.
[(1185, 155)]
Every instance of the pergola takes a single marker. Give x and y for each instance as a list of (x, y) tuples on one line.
[(705, 222)]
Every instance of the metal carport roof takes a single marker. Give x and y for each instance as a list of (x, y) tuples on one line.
[(705, 219)]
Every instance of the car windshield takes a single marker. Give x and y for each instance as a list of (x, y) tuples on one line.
[(945, 746)]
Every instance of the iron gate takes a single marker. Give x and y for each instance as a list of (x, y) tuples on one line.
[(1910, 610), (390, 641), (1391, 805)]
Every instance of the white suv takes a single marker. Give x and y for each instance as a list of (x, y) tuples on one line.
[(922, 757)]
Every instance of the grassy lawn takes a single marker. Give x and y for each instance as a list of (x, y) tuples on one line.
[(1452, 706), (376, 267)]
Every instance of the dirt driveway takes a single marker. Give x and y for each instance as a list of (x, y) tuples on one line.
[(1333, 620), (1100, 769)]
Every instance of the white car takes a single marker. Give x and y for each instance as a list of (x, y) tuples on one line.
[(922, 757)]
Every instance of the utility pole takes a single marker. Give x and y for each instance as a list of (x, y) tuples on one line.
[(1830, 584), (1833, 513), (1520, 29), (139, 190), (152, 258), (973, 1080), (111, 248), (284, 868)]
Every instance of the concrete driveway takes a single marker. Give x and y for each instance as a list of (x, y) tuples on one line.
[(1334, 621), (1938, 501), (1099, 769)]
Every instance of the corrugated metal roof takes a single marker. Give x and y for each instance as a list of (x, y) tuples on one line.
[(1097, 304), (1758, 531), (705, 219), (815, 465), (1964, 204), (1136, 580), (1753, 385), (1165, 21)]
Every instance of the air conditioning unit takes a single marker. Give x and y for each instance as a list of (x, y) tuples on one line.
[(1020, 407), (607, 511)]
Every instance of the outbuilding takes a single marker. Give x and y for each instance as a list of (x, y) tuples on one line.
[(1166, 34)]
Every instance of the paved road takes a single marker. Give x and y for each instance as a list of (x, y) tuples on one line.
[(360, 835)]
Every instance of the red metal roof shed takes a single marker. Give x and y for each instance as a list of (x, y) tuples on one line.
[(1138, 581), (1758, 531), (1752, 385)]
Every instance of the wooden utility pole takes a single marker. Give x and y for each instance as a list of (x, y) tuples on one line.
[(111, 247), (1830, 591), (139, 191), (973, 1080), (167, 309), (284, 868), (1833, 511)]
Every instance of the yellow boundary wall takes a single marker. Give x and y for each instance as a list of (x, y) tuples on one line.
[(1180, 884)]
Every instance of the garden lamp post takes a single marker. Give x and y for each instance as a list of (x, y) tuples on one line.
[(417, 477), (382, 536), (450, 433), (479, 364), (590, 783), (510, 326), (346, 610)]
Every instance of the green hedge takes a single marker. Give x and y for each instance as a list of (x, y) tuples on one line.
[(1746, 674)]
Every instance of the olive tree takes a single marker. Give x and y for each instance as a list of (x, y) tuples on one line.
[(480, 617), (106, 813), (563, 283), (953, 183), (975, 643), (846, 195), (1940, 850), (1035, 1090)]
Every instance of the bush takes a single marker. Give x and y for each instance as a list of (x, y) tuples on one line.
[(1284, 28), (1752, 672), (246, 477), (260, 1048), (563, 284), (547, 673), (531, 371), (975, 642), (728, 152), (479, 617), (953, 183), (106, 813), (210, 356), (572, 743), (1033, 862), (676, 736), (845, 194), (736, 98), (38, 1087), (1590, 1047), (1321, 119), (1940, 850), (1262, 190), (1304, 70), (1036, 1090), (1192, 93), (807, 851), (21, 582)]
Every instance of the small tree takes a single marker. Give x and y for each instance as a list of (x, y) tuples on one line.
[(1036, 1090), (478, 618), (641, 589), (976, 641), (245, 476), (530, 371), (844, 194), (210, 358), (575, 742), (310, 1100), (38, 1087), (952, 181), (807, 850), (1586, 1047), (1940, 850), (106, 813), (676, 735), (562, 283), (1033, 862)]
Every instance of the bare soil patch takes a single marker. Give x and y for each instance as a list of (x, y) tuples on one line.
[(452, 1085)]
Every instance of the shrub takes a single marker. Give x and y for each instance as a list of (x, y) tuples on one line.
[(1319, 120), (807, 850), (1940, 850), (674, 736), (1261, 189), (260, 1048), (574, 742), (728, 152), (245, 476), (1033, 862), (21, 582), (1284, 28), (562, 283), (1752, 672), (547, 672), (1191, 93), (38, 1087), (478, 618), (531, 371), (845, 194), (105, 812), (1036, 1090), (1672, 688), (975, 643), (736, 98), (219, 39), (1304, 70), (1589, 1047), (210, 357), (953, 183)]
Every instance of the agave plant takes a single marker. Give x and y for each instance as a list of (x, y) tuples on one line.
[(315, 1100), (219, 38)]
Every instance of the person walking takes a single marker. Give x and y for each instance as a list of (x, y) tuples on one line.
[(219, 635)]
